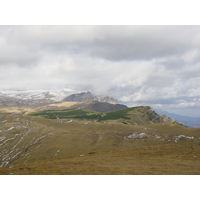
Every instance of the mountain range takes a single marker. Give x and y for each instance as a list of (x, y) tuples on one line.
[(23, 101), (40, 97)]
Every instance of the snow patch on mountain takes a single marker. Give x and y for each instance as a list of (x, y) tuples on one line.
[(56, 95), (37, 97), (33, 97)]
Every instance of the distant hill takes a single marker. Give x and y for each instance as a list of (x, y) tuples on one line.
[(191, 122), (97, 106), (141, 115)]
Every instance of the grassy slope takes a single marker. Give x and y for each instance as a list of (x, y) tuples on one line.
[(113, 153), (165, 159), (54, 114), (80, 114)]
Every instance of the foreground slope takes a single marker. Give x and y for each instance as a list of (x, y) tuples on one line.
[(146, 160)]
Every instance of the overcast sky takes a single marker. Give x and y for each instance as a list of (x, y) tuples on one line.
[(138, 65)]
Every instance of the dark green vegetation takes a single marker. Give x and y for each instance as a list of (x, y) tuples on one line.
[(80, 114), (55, 114)]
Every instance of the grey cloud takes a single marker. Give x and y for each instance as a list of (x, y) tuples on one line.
[(190, 101), (144, 42), (110, 42)]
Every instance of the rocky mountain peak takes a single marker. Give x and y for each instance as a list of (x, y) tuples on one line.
[(89, 97)]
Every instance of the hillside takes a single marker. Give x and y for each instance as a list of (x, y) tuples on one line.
[(145, 160), (83, 135), (141, 115), (35, 145)]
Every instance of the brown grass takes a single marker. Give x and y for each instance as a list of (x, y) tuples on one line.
[(150, 160), (97, 148)]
